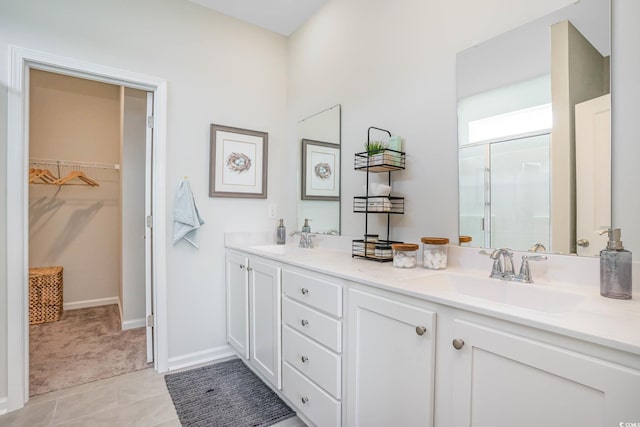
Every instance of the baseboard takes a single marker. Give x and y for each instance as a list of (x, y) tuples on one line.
[(90, 303), (200, 357), (4, 401), (132, 324)]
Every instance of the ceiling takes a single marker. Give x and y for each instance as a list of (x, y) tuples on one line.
[(279, 16)]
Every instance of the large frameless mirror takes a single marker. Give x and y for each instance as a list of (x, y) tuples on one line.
[(534, 142)]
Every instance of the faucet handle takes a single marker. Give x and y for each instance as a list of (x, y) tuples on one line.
[(525, 271)]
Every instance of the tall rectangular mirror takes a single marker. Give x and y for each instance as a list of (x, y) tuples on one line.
[(318, 137), (534, 142)]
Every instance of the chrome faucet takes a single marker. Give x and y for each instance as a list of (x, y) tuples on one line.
[(525, 271), (505, 271), (306, 239), (538, 247)]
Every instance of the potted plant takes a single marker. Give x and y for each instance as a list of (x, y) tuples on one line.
[(375, 152)]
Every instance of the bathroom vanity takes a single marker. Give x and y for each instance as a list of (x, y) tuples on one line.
[(349, 343)]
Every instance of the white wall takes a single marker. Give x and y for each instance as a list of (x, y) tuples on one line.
[(392, 65), (132, 199), (219, 70)]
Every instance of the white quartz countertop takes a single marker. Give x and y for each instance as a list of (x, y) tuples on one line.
[(576, 311)]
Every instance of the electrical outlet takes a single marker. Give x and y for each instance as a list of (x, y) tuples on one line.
[(273, 211)]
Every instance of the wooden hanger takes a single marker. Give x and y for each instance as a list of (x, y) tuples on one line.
[(77, 175), (44, 175)]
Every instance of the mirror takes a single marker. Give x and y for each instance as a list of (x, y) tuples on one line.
[(534, 144), (319, 183)]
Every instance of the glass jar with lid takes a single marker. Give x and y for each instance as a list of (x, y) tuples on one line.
[(465, 240), (434, 252), (405, 255)]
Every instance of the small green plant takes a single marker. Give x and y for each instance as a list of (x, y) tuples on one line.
[(375, 147)]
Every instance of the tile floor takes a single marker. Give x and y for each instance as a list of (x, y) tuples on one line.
[(137, 399)]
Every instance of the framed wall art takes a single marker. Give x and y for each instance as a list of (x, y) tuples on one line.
[(238, 166), (320, 170)]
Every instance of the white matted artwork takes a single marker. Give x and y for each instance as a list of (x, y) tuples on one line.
[(238, 163), (320, 170)]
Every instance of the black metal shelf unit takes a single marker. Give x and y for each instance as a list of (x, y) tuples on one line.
[(385, 160)]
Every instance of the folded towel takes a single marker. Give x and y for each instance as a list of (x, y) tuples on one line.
[(379, 204), (186, 218)]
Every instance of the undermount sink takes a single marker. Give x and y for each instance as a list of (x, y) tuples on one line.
[(542, 298)]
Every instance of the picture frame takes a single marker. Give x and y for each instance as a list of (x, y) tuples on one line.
[(238, 162), (320, 170)]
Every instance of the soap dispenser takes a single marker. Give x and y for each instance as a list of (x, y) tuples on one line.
[(281, 233), (306, 228), (615, 268)]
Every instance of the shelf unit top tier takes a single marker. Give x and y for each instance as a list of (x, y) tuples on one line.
[(384, 161)]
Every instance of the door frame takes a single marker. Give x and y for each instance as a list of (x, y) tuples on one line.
[(21, 60)]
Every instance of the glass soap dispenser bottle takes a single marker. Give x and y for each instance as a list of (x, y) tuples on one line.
[(281, 233), (615, 268)]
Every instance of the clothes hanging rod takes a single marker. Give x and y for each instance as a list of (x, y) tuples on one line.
[(74, 163)]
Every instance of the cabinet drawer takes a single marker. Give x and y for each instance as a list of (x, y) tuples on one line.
[(320, 327), (317, 293), (311, 400), (319, 364)]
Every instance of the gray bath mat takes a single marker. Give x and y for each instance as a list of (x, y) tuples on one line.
[(225, 394)]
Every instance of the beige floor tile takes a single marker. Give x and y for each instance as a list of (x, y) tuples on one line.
[(135, 387), (291, 422), (172, 423), (79, 389), (148, 412), (108, 418), (30, 416), (88, 403)]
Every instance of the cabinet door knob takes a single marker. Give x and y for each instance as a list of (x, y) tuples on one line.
[(241, 266), (249, 268), (304, 400), (304, 322), (420, 330), (304, 291), (304, 359), (458, 343)]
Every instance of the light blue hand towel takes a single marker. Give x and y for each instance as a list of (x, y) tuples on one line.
[(186, 219)]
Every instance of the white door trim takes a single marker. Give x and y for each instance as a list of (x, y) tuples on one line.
[(17, 250)]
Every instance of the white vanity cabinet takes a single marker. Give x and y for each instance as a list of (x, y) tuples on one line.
[(312, 345), (254, 313), (391, 363), (501, 379)]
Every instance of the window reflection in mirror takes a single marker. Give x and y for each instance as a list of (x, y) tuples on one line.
[(323, 130), (526, 163)]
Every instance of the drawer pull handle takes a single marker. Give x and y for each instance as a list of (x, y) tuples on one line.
[(304, 291), (304, 400), (458, 343), (420, 330), (304, 359), (304, 322)]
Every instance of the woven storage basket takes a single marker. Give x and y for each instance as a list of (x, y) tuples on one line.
[(45, 294)]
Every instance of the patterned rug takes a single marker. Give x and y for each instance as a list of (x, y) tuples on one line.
[(85, 345), (225, 394)]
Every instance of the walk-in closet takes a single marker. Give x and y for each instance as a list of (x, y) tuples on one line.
[(87, 254)]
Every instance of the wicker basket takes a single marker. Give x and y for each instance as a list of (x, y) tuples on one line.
[(45, 294)]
